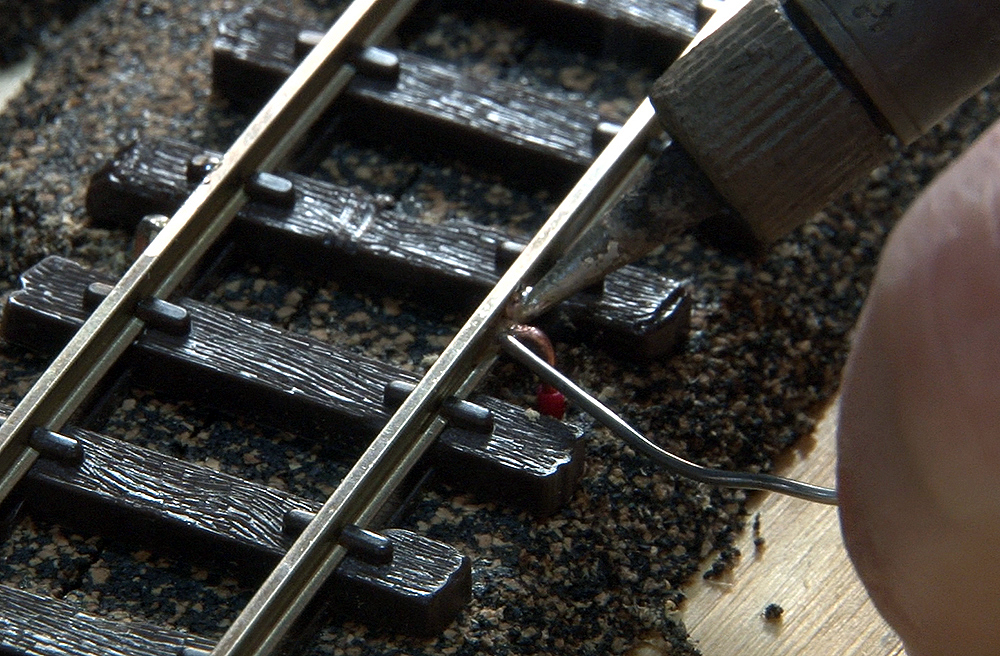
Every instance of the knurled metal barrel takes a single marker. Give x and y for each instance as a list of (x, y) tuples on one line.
[(787, 105), (766, 120)]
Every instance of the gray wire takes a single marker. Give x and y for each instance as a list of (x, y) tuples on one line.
[(670, 462)]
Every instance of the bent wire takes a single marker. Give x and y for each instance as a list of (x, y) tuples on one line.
[(672, 463)]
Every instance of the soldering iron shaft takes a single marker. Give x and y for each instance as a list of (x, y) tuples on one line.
[(665, 194)]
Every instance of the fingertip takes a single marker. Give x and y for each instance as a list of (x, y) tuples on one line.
[(919, 443), (932, 325)]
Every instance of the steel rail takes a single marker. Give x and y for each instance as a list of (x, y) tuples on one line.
[(268, 139), (410, 431)]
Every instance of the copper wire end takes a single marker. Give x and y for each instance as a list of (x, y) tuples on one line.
[(550, 401), (536, 337)]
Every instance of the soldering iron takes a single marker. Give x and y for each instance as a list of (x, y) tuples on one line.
[(785, 105)]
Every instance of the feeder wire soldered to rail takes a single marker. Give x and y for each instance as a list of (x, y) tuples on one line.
[(666, 460)]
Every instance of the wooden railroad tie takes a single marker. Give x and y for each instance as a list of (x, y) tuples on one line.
[(329, 229)]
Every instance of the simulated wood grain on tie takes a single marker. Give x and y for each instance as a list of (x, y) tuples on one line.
[(348, 232), (154, 500), (500, 123), (31, 625), (492, 120)]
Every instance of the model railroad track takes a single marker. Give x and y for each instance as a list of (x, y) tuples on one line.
[(179, 346)]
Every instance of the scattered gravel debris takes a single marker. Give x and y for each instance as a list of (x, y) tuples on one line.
[(773, 613), (758, 540), (724, 563), (602, 576), (23, 22)]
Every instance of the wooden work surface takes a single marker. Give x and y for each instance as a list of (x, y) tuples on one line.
[(803, 568)]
